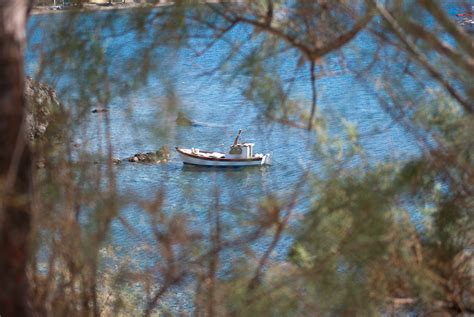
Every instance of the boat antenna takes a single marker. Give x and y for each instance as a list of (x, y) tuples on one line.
[(237, 137)]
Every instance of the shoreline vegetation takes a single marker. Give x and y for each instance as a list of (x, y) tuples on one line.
[(91, 7)]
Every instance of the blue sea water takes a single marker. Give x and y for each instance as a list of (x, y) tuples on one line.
[(140, 121)]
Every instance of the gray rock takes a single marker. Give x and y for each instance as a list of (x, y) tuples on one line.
[(182, 120), (99, 110), (41, 101), (163, 153), (160, 156)]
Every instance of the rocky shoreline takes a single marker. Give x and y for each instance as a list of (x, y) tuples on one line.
[(91, 7), (42, 102)]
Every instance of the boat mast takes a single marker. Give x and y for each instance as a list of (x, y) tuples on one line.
[(237, 138)]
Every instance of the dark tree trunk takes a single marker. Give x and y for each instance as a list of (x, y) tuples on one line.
[(15, 214)]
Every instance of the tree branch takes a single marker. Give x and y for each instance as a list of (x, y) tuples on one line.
[(313, 94), (412, 49)]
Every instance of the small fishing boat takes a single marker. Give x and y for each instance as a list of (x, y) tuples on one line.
[(466, 20), (240, 154)]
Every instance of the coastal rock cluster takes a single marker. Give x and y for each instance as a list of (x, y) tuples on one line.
[(160, 156), (41, 101)]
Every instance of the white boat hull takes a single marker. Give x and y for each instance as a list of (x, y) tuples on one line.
[(189, 158)]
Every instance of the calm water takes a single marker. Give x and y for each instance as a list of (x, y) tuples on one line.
[(139, 123)]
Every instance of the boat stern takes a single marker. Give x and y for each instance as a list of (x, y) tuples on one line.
[(267, 159)]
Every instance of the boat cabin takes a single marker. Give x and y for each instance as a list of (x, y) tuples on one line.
[(241, 151)]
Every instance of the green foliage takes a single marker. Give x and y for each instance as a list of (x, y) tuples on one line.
[(358, 247)]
